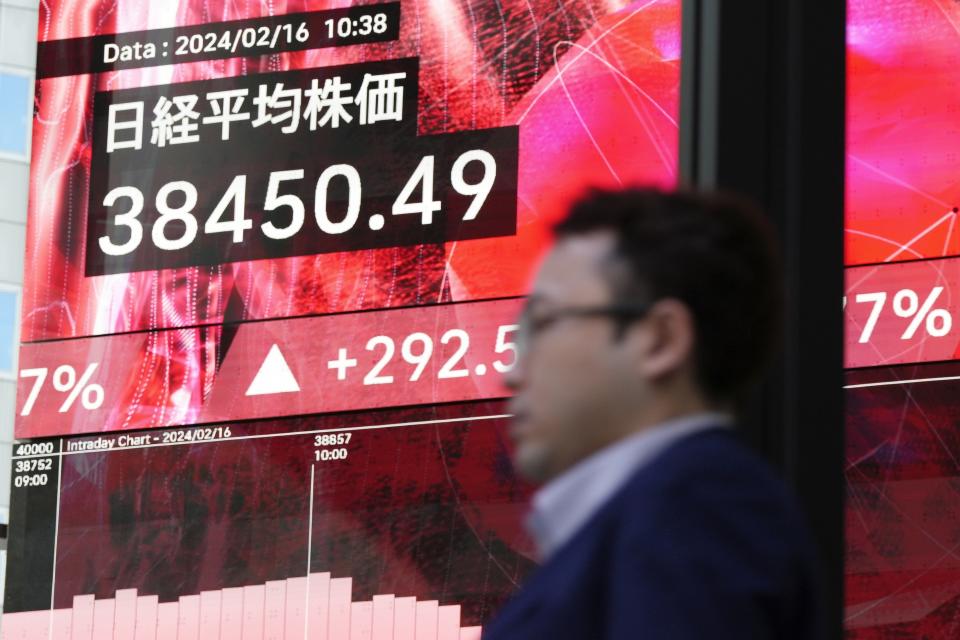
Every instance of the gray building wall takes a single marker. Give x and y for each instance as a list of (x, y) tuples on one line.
[(18, 29)]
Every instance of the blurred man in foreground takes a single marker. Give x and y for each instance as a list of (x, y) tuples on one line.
[(649, 316)]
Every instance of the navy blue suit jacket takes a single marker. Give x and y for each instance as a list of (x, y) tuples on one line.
[(704, 542)]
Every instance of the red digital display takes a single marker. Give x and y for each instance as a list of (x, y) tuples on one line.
[(295, 366), (446, 199), (900, 309), (275, 260)]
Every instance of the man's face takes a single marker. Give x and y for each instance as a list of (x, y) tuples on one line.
[(574, 382)]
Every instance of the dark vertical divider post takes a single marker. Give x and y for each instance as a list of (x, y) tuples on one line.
[(763, 114)]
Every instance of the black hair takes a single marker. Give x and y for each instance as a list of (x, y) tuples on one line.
[(712, 251)]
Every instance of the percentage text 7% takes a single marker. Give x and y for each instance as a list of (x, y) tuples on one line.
[(65, 382), (936, 321)]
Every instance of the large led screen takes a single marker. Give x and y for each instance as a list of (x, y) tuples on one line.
[(901, 309), (275, 257)]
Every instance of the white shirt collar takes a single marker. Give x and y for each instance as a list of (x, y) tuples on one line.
[(565, 504)]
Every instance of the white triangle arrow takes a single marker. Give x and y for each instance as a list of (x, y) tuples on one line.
[(274, 376)]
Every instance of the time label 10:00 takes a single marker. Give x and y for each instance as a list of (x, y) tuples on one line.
[(175, 203)]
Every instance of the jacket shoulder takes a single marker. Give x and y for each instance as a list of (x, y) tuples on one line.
[(714, 467), (718, 534)]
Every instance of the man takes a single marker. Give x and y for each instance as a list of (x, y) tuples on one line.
[(648, 318)]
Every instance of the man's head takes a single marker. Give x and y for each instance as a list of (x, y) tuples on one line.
[(649, 306)]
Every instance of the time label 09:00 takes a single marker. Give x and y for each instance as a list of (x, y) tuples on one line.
[(177, 227)]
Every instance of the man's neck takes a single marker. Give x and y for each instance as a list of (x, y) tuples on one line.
[(666, 409), (567, 502)]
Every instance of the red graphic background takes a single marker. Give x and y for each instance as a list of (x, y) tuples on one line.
[(432, 512), (902, 473), (428, 510), (221, 362), (593, 87)]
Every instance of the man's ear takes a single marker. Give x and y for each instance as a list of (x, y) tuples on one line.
[(662, 343)]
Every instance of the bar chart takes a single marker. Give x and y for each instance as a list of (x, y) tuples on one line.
[(317, 607), (325, 527)]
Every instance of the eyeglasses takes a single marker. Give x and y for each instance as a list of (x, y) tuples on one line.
[(530, 325)]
